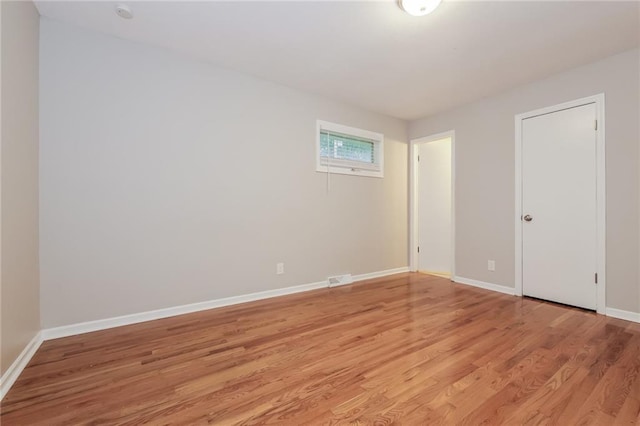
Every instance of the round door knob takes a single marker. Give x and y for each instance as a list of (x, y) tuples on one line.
[(528, 218)]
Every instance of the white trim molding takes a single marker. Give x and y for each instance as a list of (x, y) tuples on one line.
[(487, 286), (413, 197), (15, 369), (599, 101), (623, 315), (380, 274), (103, 324)]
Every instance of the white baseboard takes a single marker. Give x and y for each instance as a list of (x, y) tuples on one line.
[(610, 312), (380, 274), (625, 315), (13, 372), (487, 286), (103, 324), (15, 369)]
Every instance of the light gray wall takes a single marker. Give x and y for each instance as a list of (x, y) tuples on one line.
[(166, 181), (19, 287), (485, 171)]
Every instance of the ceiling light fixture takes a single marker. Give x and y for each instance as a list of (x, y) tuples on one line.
[(124, 11), (418, 7)]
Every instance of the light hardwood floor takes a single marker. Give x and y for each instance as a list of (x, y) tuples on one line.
[(407, 349)]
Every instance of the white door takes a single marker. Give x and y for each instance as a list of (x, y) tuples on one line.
[(559, 206), (434, 207)]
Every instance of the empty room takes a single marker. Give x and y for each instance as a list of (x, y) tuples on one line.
[(408, 212)]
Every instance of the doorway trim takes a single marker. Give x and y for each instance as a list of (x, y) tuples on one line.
[(601, 204), (413, 197)]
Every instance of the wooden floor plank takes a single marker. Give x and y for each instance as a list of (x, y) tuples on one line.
[(405, 349)]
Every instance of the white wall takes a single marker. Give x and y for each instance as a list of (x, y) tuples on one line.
[(166, 181), (485, 171), (434, 209), (19, 287)]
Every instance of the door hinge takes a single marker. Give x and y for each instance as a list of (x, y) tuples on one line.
[(418, 249), (596, 125), (418, 158), (596, 278)]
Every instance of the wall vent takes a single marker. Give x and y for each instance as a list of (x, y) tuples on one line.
[(340, 280)]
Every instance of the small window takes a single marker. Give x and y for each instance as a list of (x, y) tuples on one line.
[(347, 150)]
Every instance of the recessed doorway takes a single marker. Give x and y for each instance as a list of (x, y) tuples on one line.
[(432, 199)]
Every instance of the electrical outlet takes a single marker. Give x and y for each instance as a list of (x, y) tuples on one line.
[(279, 268), (491, 265)]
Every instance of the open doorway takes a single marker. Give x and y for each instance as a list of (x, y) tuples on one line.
[(432, 199)]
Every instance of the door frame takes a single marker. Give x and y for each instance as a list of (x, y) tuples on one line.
[(413, 197), (598, 100)]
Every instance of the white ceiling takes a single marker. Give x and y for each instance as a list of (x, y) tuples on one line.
[(372, 54)]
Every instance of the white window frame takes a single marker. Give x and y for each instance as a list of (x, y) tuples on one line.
[(335, 166)]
